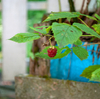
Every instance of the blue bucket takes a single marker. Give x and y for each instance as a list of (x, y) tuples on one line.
[(71, 67)]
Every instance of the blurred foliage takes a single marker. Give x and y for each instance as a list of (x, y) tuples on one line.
[(98, 3), (33, 17)]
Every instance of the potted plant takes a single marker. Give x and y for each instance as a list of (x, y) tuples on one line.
[(64, 33)]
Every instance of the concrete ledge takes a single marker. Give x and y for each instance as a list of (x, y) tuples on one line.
[(28, 87)]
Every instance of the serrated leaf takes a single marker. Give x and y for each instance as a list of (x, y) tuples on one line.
[(65, 34), (78, 42), (96, 75), (24, 37), (89, 70), (86, 29), (43, 53), (97, 28), (58, 15), (68, 15), (42, 31), (80, 52), (97, 16)]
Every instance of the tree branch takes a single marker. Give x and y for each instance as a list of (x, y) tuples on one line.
[(81, 11), (71, 5), (72, 8), (86, 9)]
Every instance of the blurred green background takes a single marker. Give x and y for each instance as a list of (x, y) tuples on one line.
[(34, 16)]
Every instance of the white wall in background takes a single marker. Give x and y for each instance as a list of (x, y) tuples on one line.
[(92, 6), (53, 5), (14, 21)]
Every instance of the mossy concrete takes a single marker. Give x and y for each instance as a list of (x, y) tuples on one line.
[(30, 87)]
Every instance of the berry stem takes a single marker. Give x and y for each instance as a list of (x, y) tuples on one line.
[(50, 40)]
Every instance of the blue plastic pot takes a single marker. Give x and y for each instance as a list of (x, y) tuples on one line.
[(71, 67)]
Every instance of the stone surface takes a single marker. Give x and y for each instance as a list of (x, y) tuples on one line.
[(28, 87)]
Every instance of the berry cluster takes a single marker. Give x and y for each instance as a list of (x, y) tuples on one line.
[(52, 52)]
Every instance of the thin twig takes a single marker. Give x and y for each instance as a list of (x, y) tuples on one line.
[(50, 40), (86, 9), (83, 22), (90, 44), (60, 20), (93, 51), (59, 5), (69, 69), (81, 11)]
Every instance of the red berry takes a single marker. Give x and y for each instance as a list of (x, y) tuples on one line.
[(52, 52)]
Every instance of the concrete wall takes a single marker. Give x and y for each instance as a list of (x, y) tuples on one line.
[(28, 87), (14, 21)]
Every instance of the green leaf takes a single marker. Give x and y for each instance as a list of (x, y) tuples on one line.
[(80, 52), (43, 53), (86, 29), (41, 27), (97, 16), (48, 29), (88, 72), (57, 15), (42, 31), (68, 15), (90, 17), (97, 28), (25, 37), (31, 55), (65, 34), (96, 75), (78, 42)]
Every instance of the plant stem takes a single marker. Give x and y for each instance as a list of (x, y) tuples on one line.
[(50, 40), (83, 22), (60, 20), (48, 35), (72, 9), (71, 5), (59, 5), (87, 35)]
